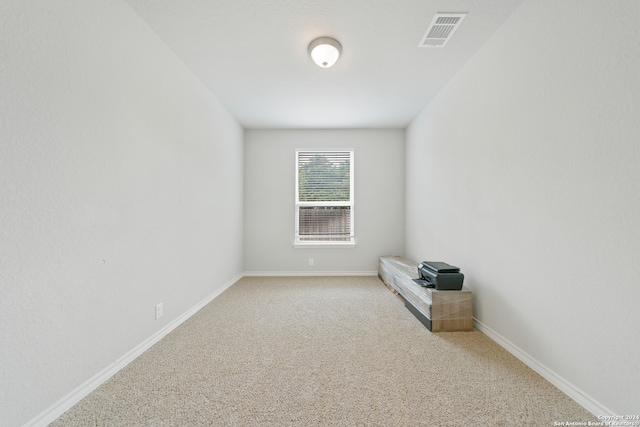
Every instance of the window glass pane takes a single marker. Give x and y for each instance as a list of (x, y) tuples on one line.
[(324, 204), (325, 223), (324, 177)]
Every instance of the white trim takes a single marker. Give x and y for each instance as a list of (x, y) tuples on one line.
[(327, 245), (54, 411), (61, 406), (582, 398), (308, 273)]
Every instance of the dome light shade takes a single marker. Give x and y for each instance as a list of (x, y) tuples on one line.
[(325, 51)]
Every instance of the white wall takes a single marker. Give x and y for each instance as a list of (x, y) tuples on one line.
[(270, 196), (528, 161), (120, 187)]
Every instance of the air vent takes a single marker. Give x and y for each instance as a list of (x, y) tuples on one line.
[(441, 29)]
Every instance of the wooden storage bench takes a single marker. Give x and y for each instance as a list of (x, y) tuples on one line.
[(437, 310)]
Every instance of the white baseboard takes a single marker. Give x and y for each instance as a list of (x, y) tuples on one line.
[(309, 273), (582, 398), (54, 411)]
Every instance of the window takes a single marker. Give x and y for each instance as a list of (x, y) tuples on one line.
[(324, 197)]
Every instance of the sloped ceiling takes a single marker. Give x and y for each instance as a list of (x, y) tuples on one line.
[(252, 55)]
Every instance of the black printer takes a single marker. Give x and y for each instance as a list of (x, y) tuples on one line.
[(439, 275)]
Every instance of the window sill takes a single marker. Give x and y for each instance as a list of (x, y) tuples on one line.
[(329, 245)]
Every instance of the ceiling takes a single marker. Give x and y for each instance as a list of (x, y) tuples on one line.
[(252, 55)]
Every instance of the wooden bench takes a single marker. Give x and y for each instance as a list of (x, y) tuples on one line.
[(437, 310)]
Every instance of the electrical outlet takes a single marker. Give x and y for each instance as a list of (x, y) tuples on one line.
[(158, 311), (310, 261)]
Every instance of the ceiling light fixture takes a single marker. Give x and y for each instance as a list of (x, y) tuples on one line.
[(325, 51)]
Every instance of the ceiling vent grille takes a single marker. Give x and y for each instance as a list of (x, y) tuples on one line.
[(441, 29)]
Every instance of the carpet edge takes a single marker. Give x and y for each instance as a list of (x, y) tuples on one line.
[(67, 402), (579, 396), (308, 273)]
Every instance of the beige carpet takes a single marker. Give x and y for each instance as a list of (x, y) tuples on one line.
[(321, 351)]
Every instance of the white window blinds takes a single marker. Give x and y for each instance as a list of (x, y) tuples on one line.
[(324, 196)]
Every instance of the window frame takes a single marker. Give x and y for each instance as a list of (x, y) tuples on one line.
[(351, 203)]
